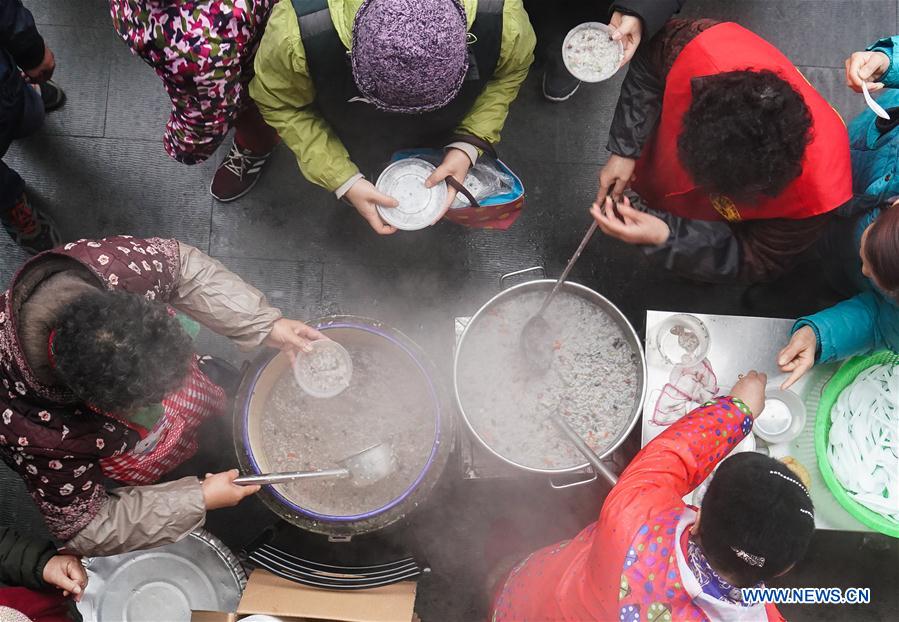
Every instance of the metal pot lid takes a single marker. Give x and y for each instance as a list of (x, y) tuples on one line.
[(164, 583), (522, 435), (419, 207)]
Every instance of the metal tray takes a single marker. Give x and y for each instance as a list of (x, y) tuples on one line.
[(164, 583)]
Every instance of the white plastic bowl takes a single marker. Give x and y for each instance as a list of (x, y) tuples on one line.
[(323, 383), (782, 419), (580, 75), (419, 207)]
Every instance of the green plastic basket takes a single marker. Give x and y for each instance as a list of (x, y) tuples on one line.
[(842, 379)]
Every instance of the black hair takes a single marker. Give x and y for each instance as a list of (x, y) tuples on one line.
[(745, 134), (118, 351), (755, 507)]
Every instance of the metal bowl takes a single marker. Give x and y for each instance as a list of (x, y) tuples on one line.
[(251, 399), (594, 298)]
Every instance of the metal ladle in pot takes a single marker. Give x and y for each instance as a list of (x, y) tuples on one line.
[(365, 468), (536, 336), (595, 461)]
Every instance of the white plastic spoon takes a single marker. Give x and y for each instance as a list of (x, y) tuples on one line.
[(873, 105)]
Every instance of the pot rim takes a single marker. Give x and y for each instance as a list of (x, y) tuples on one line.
[(371, 326), (582, 289)]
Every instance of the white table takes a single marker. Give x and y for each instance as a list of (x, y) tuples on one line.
[(739, 344)]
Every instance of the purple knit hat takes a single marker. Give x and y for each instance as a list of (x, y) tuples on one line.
[(410, 55)]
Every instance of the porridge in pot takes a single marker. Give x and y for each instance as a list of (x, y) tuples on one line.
[(388, 400), (593, 380)]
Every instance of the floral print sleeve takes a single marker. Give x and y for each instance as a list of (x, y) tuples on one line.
[(58, 455), (686, 453), (680, 458), (203, 52)]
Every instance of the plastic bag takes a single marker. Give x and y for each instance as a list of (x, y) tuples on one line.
[(484, 180)]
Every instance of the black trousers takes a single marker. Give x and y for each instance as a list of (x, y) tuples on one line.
[(21, 114)]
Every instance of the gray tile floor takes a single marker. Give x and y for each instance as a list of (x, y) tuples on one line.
[(99, 167)]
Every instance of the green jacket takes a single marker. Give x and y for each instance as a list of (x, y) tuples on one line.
[(285, 94)]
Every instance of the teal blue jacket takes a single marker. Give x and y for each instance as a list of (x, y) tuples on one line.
[(869, 320), (875, 154)]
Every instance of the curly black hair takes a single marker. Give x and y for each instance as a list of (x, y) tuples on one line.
[(118, 351), (745, 134)]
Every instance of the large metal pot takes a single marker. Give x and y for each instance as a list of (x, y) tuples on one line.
[(251, 401), (594, 298)]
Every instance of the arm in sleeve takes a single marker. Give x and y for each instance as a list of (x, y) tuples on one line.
[(22, 559), (751, 251), (221, 300), (487, 116), (142, 517), (284, 92), (653, 13), (639, 106), (676, 462), (890, 77), (19, 35), (847, 328)]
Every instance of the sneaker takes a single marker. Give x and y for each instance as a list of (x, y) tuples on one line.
[(558, 84), (237, 174), (52, 96), (31, 229)]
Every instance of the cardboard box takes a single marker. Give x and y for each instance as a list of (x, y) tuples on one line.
[(268, 594)]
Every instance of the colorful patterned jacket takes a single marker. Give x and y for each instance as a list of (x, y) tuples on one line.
[(56, 443), (203, 52), (626, 565)]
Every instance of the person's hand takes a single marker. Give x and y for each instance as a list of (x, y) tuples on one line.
[(44, 71), (798, 356), (629, 30), (291, 336), (219, 491), (66, 573), (750, 389), (455, 164), (866, 67), (630, 225), (366, 199), (614, 177)]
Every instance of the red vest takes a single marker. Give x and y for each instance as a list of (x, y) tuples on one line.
[(826, 179)]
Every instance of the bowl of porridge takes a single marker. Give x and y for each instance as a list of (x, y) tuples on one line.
[(589, 53)]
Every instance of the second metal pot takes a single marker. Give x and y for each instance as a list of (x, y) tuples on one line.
[(594, 298)]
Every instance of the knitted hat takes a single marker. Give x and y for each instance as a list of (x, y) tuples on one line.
[(410, 55)]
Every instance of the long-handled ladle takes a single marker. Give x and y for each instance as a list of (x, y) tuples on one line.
[(536, 336)]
